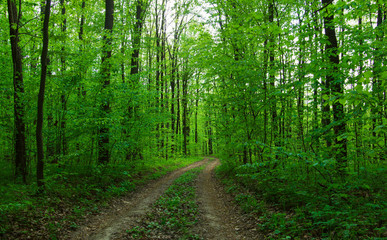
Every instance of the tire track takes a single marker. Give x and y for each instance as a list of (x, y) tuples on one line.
[(221, 219), (125, 214)]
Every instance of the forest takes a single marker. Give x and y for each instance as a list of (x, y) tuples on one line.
[(100, 98)]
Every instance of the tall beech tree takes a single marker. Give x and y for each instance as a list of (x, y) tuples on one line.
[(334, 79), (14, 16), (104, 138), (140, 7), (43, 76), (62, 143)]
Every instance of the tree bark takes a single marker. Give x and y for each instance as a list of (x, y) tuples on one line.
[(377, 111), (104, 138), (135, 65), (136, 38), (334, 80), (274, 125), (18, 85), (184, 103), (39, 124), (62, 139)]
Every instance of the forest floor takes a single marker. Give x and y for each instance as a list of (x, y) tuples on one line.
[(218, 218)]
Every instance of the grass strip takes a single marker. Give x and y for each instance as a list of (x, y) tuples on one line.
[(174, 213)]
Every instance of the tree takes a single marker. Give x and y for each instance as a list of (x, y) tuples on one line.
[(334, 79), (62, 143), (43, 76), (14, 15), (137, 29), (103, 138)]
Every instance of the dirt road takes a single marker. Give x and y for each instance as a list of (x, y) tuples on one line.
[(219, 217), (124, 213)]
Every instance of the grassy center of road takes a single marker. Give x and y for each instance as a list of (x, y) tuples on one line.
[(173, 214)]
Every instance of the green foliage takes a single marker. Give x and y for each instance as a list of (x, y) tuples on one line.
[(248, 80), (290, 206)]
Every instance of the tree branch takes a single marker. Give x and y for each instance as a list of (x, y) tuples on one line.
[(323, 7)]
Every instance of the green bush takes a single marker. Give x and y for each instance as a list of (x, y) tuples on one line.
[(291, 205)]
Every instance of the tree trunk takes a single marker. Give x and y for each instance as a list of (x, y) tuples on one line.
[(63, 142), (136, 38), (184, 103), (196, 110), (18, 84), (177, 129), (157, 71), (209, 144), (39, 124), (334, 80), (377, 111), (104, 138), (274, 126), (135, 65), (163, 95)]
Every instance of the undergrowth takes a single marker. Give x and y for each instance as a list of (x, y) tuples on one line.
[(295, 206), (71, 193), (174, 213)]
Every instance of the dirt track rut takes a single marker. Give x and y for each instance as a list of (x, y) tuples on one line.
[(220, 218), (123, 214)]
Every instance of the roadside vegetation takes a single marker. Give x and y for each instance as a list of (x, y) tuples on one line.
[(291, 206), (71, 194)]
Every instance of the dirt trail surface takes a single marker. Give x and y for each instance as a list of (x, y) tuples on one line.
[(221, 219), (125, 213)]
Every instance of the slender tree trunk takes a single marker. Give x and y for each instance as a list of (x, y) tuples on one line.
[(358, 124), (316, 83), (135, 65), (333, 78), (18, 84), (300, 98), (81, 91), (274, 124), (177, 129), (136, 38), (62, 138), (157, 30), (104, 138), (82, 22), (185, 112), (209, 143), (377, 111), (163, 96), (39, 123), (196, 110), (265, 66), (326, 110), (172, 83)]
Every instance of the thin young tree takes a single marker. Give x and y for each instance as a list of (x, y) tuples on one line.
[(337, 88), (104, 138), (43, 75)]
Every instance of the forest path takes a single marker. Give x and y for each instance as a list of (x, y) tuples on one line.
[(124, 213), (220, 218)]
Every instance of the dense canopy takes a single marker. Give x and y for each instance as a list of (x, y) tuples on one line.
[(289, 94)]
